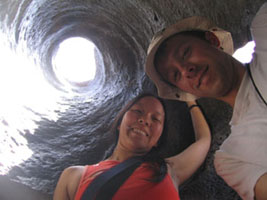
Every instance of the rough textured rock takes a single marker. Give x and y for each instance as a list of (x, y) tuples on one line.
[(71, 127)]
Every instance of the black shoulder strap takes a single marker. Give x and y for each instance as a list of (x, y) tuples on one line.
[(257, 90), (106, 184)]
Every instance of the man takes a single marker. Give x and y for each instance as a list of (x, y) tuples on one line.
[(192, 59)]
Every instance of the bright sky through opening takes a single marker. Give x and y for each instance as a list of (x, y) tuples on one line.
[(75, 60), (244, 54)]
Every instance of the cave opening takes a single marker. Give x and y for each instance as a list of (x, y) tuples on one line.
[(74, 61)]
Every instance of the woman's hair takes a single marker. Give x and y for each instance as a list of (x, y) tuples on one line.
[(158, 163)]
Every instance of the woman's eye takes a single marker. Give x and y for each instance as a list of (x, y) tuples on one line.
[(137, 111), (155, 119)]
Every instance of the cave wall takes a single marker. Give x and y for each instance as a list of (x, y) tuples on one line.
[(71, 127)]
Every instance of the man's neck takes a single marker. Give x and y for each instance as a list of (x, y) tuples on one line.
[(231, 96)]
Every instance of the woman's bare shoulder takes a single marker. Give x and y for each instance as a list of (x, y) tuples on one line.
[(74, 170), (68, 182)]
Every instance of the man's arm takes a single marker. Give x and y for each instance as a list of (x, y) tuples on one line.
[(261, 188)]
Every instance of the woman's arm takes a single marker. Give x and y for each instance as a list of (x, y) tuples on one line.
[(68, 183), (260, 188), (187, 162)]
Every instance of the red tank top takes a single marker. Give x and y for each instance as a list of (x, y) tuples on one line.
[(135, 187)]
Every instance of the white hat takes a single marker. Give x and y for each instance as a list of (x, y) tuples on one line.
[(166, 90)]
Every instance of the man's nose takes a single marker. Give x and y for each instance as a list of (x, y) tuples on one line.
[(189, 70)]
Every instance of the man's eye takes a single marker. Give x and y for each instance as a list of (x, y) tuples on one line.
[(186, 53), (176, 76)]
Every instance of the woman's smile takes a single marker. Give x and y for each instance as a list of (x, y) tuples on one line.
[(139, 132)]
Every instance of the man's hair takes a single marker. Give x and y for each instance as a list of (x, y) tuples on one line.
[(158, 163)]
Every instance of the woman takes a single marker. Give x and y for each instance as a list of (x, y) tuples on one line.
[(141, 128)]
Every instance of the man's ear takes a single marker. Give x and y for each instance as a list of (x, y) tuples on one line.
[(212, 39), (118, 128)]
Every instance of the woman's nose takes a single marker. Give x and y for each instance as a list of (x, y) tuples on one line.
[(142, 121)]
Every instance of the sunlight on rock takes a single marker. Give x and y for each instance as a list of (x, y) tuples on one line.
[(26, 98)]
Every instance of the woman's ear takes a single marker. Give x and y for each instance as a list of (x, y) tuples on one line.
[(212, 39)]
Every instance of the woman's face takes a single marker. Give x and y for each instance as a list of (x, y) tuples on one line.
[(142, 125)]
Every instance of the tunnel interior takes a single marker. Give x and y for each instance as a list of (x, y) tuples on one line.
[(47, 124)]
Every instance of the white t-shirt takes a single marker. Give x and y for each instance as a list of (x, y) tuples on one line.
[(242, 157)]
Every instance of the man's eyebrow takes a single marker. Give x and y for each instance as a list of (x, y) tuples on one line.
[(179, 46), (167, 82), (177, 49)]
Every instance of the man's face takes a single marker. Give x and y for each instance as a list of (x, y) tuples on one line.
[(197, 67)]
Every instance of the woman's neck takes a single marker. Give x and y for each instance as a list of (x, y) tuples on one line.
[(120, 155)]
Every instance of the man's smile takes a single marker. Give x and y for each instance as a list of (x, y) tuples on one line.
[(202, 75)]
